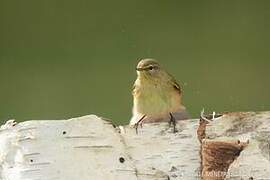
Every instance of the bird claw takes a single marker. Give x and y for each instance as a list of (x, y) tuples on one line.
[(140, 122), (136, 126), (172, 121)]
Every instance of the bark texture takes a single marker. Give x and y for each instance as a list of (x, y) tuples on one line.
[(236, 146), (230, 146)]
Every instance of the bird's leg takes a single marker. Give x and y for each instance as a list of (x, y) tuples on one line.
[(172, 121), (139, 123)]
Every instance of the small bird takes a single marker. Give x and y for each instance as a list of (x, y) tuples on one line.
[(156, 96)]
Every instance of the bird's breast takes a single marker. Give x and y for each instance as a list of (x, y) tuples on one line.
[(155, 99)]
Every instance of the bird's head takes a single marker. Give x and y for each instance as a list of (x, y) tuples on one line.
[(148, 68)]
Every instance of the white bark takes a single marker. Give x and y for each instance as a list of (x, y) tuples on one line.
[(157, 149), (90, 147)]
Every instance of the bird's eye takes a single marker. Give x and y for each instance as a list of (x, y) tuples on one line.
[(151, 67)]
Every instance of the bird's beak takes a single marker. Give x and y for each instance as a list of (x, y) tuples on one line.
[(139, 69)]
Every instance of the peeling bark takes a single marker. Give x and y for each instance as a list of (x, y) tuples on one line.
[(217, 156), (235, 146)]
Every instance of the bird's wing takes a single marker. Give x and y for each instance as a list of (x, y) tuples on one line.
[(176, 86)]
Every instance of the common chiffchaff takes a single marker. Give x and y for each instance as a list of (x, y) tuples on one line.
[(156, 95)]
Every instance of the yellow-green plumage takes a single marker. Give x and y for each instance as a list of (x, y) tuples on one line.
[(155, 92)]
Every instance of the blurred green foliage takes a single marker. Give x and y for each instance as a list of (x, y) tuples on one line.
[(62, 59)]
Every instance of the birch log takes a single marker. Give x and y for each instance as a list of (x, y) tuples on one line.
[(233, 146), (237, 146)]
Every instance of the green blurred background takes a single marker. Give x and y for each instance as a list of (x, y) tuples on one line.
[(62, 59)]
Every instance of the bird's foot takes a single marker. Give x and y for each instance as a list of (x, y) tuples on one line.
[(139, 123), (172, 122), (136, 126)]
